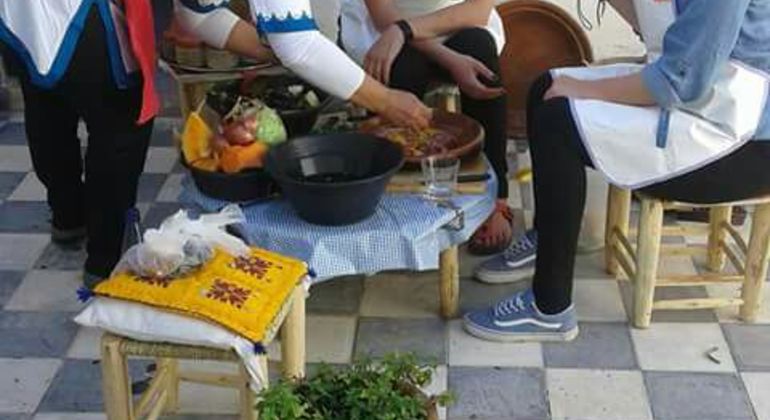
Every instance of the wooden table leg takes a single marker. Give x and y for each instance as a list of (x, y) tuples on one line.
[(449, 270), (248, 400), (172, 384), (618, 213), (116, 384), (293, 337), (648, 253), (756, 263), (718, 216)]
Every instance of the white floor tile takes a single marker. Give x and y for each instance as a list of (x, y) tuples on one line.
[(598, 300), (86, 344), (47, 290), (30, 189), (161, 160), (730, 314), (682, 347), (15, 159), (597, 395), (70, 416), (758, 387), (21, 251), (329, 339), (171, 189), (23, 383), (466, 350), (206, 399)]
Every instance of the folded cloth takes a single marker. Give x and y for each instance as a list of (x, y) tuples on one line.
[(246, 294)]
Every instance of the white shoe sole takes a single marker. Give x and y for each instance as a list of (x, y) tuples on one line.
[(516, 274), (496, 336)]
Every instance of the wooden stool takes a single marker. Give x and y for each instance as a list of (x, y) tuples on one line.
[(640, 263), (162, 395)]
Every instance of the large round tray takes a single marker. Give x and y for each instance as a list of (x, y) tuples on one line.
[(539, 36), (469, 132)]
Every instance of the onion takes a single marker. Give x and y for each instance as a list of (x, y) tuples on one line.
[(238, 133)]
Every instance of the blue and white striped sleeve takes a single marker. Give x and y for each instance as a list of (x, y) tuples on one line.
[(293, 35), (209, 20)]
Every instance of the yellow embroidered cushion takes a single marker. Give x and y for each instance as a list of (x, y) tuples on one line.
[(245, 294)]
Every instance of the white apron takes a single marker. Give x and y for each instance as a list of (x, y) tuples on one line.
[(44, 34), (638, 146)]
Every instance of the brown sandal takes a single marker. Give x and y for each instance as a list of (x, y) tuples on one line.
[(477, 246)]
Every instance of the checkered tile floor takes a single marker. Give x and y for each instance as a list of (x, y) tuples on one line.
[(49, 367)]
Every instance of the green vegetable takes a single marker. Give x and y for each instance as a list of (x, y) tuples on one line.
[(364, 391), (270, 128)]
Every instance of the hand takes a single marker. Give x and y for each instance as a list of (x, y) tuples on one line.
[(469, 73), (380, 58), (568, 87), (404, 109)]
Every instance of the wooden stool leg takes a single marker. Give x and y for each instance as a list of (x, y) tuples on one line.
[(718, 216), (246, 396), (116, 384), (449, 271), (756, 263), (648, 252), (172, 384), (618, 214), (293, 337)]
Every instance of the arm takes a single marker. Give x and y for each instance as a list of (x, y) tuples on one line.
[(695, 47), (219, 27), (467, 14), (302, 48)]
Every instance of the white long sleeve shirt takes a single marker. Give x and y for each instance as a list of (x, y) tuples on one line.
[(44, 33)]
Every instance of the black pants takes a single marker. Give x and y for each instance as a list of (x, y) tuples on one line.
[(558, 163), (413, 71), (116, 146)]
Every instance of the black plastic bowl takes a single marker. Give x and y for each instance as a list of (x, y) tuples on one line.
[(243, 187), (334, 179), (299, 122)]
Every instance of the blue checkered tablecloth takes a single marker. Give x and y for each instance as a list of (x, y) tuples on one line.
[(406, 232)]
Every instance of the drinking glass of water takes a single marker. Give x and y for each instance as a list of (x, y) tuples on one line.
[(440, 176)]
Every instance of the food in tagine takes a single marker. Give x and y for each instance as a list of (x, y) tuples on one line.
[(419, 143)]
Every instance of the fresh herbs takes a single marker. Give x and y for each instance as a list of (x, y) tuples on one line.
[(386, 390)]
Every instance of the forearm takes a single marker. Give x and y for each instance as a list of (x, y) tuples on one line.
[(469, 13), (244, 41), (371, 95), (435, 50), (628, 90)]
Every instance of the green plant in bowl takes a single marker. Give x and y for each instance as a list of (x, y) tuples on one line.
[(385, 390)]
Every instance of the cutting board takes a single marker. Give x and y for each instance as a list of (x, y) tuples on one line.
[(410, 181)]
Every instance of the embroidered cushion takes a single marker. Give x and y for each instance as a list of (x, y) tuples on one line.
[(244, 294)]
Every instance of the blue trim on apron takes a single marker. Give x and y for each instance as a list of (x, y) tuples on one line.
[(67, 48), (276, 25), (63, 56)]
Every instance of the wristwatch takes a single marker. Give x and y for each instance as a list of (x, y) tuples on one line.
[(406, 29)]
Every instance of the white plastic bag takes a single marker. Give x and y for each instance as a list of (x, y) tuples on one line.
[(182, 242)]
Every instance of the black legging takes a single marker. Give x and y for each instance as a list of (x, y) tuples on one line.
[(558, 163), (413, 71)]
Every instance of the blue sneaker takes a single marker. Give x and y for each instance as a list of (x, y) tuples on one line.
[(517, 319), (515, 263)]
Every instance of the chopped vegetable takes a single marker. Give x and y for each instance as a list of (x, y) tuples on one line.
[(235, 159), (270, 128), (196, 139)]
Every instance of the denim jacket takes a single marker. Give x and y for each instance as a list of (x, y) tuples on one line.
[(704, 36)]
